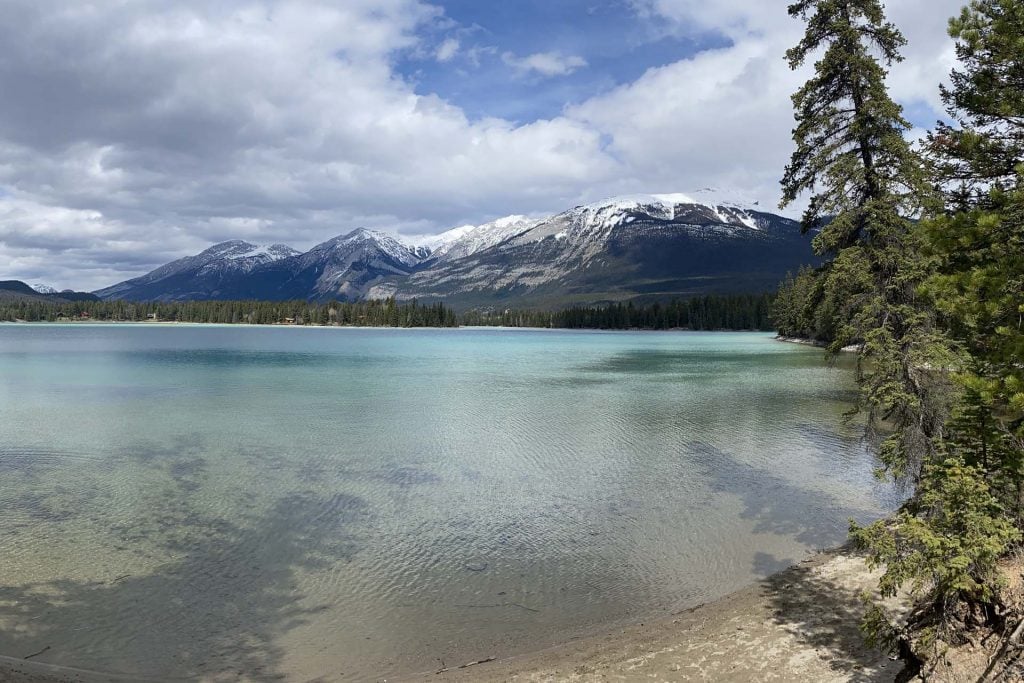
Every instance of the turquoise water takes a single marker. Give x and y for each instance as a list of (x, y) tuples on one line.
[(213, 503)]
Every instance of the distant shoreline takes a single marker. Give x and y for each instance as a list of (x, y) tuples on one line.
[(174, 323)]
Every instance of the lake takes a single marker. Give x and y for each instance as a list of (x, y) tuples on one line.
[(203, 502)]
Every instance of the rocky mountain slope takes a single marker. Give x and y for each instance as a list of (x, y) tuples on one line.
[(203, 276), (345, 268), (642, 247)]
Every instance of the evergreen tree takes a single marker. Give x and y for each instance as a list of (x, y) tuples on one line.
[(979, 242), (968, 510), (984, 148), (865, 185)]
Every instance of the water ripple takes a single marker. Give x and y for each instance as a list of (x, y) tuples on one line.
[(275, 504)]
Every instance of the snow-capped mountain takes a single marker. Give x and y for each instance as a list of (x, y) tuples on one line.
[(654, 246), (201, 276), (431, 243), (469, 239), (365, 245), (44, 289), (345, 267), (637, 246), (16, 290)]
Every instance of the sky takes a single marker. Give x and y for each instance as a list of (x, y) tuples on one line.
[(134, 132)]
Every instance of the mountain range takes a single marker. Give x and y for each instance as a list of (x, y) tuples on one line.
[(16, 290), (644, 247)]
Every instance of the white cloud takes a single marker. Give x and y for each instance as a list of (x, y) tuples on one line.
[(736, 19), (929, 54), (710, 120), (724, 117), (447, 50), (133, 133), (544, 63)]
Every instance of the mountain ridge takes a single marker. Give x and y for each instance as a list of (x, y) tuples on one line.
[(16, 290), (632, 247)]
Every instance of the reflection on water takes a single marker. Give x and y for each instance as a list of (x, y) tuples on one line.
[(207, 503)]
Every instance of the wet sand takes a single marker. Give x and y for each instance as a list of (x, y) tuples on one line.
[(798, 625)]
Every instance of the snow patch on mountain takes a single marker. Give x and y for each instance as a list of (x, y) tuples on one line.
[(469, 239), (363, 243), (44, 289), (239, 250), (432, 243), (265, 253)]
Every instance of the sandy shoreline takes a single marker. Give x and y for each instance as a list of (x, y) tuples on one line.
[(799, 624)]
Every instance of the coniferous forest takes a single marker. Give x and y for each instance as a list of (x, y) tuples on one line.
[(726, 312), (924, 270), (384, 313), (723, 312)]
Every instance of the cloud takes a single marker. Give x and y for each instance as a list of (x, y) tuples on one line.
[(174, 125), (710, 120), (134, 133), (447, 50), (736, 19), (724, 115), (929, 54), (545, 64)]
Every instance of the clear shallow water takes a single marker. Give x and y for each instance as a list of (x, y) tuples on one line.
[(228, 502)]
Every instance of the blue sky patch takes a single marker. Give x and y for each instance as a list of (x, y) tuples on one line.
[(478, 56)]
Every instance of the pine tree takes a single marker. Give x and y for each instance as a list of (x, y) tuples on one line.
[(865, 185), (979, 242), (967, 511), (851, 153), (985, 147)]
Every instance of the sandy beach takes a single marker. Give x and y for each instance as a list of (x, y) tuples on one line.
[(798, 625)]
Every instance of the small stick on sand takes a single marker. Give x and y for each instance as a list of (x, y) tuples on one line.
[(465, 666), (36, 654), (481, 661)]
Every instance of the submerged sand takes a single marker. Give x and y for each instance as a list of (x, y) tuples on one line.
[(798, 625)]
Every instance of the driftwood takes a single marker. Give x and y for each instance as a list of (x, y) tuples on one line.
[(1015, 636), (467, 665), (36, 654)]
